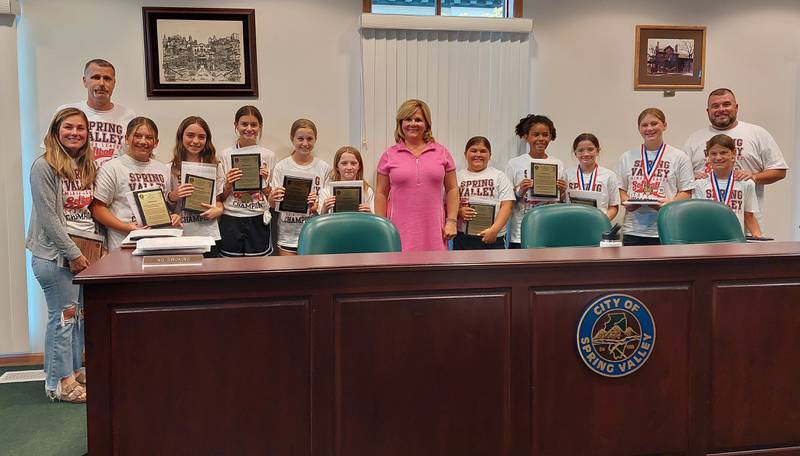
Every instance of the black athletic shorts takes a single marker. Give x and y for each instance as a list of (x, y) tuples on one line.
[(244, 236), (465, 242)]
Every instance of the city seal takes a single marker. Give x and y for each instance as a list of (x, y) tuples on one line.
[(616, 335)]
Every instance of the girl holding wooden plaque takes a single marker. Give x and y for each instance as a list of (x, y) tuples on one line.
[(131, 177), (295, 185), (349, 167), (487, 198), (197, 181), (245, 221), (538, 179)]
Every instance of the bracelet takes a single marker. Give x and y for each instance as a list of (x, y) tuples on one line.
[(451, 220)]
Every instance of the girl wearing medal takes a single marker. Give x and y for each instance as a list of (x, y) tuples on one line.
[(483, 182), (589, 176), (721, 184), (651, 175), (538, 131), (245, 221)]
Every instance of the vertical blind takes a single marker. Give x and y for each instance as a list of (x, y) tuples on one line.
[(475, 82)]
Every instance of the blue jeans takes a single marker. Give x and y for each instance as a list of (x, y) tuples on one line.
[(63, 341)]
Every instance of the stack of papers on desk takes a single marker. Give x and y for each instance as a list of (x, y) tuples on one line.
[(184, 245), (135, 235)]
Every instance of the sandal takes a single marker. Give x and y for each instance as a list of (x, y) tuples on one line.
[(73, 393), (81, 378)]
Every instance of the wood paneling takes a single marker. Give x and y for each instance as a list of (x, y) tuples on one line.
[(29, 359), (443, 353), (228, 392), (423, 374), (755, 379), (580, 412)]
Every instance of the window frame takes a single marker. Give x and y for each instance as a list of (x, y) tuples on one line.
[(517, 13)]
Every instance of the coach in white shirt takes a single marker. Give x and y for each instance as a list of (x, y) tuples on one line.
[(107, 120), (758, 156)]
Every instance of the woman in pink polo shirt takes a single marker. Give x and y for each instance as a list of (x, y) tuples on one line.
[(416, 187)]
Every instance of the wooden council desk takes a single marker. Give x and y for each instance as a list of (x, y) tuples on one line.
[(452, 353)]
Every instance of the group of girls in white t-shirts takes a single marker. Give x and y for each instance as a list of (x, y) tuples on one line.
[(240, 221), (70, 194)]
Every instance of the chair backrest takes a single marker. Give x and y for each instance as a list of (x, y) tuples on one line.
[(564, 225), (698, 221), (348, 232)]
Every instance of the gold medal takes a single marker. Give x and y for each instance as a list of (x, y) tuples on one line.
[(245, 197)]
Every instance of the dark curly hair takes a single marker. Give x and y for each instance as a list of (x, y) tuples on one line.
[(526, 123)]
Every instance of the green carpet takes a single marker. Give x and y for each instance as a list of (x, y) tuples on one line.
[(30, 424)]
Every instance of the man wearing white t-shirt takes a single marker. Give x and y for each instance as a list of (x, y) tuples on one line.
[(758, 156), (107, 121)]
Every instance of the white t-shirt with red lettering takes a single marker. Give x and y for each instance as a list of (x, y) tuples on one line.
[(76, 204), (756, 151), (519, 168), (606, 184), (121, 176), (671, 175), (743, 197), (106, 129), (490, 184)]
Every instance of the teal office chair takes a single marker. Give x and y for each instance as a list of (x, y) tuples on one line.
[(564, 225), (696, 221), (348, 232)]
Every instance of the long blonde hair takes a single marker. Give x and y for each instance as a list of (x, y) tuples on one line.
[(57, 157), (405, 111), (336, 176)]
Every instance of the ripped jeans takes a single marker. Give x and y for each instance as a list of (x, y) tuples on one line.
[(63, 341)]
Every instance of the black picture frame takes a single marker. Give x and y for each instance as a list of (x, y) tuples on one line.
[(214, 59), (142, 216), (296, 195), (190, 179)]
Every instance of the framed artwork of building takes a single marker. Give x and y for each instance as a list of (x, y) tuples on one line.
[(669, 57), (200, 52)]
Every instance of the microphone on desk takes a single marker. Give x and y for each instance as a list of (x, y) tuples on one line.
[(611, 234), (611, 238)]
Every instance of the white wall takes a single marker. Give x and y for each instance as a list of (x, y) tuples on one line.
[(582, 76), (13, 299)]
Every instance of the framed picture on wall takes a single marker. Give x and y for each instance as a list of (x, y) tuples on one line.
[(200, 52), (669, 57)]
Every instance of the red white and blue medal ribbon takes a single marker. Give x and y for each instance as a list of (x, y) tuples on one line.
[(719, 195), (592, 180), (648, 169)]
